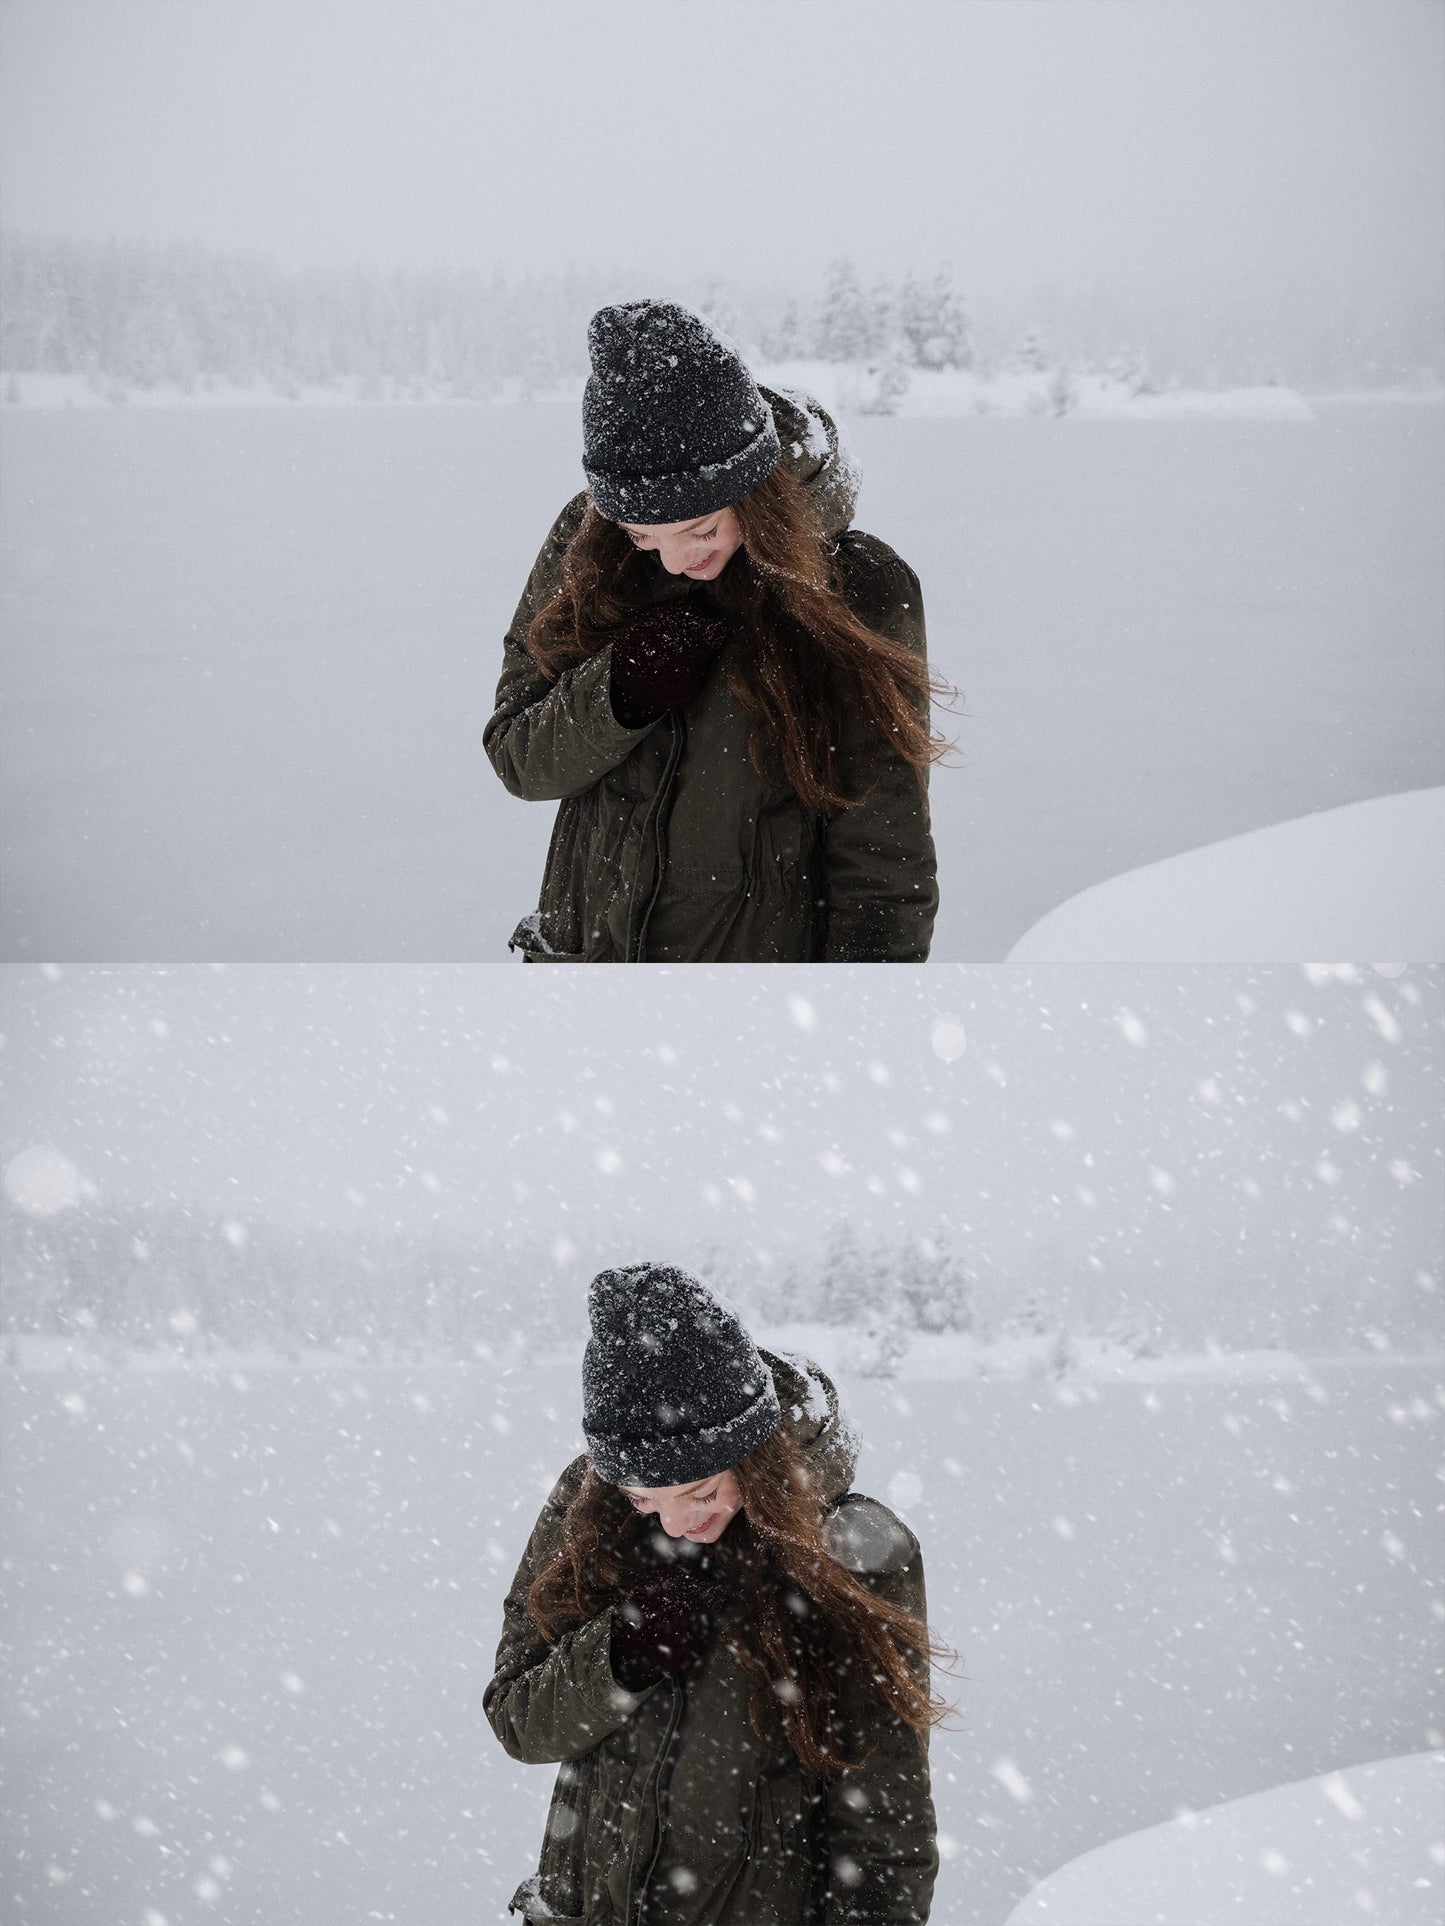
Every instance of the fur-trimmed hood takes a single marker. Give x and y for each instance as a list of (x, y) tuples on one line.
[(816, 451), (814, 1414)]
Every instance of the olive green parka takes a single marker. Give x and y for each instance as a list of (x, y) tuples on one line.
[(668, 845), (668, 1810)]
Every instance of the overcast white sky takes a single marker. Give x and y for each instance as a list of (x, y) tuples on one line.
[(1168, 147)]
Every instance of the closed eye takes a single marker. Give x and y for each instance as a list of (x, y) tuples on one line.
[(698, 535), (697, 1498)]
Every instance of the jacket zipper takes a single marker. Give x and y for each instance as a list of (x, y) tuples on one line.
[(654, 823), (653, 1785)]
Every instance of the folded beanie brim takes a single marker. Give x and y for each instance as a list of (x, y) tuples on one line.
[(629, 1459), (686, 492)]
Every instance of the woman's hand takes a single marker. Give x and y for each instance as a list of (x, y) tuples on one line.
[(660, 659), (662, 1623)]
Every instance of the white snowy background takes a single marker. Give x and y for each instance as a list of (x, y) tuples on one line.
[(1174, 1466), (250, 650), (250, 654), (1132, 1279)]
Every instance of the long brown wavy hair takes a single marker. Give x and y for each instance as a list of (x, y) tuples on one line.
[(803, 663), (800, 1621)]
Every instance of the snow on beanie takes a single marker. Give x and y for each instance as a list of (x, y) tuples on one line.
[(673, 424), (673, 1388)]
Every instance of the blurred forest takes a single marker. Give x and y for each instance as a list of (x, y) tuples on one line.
[(130, 316), (171, 1279)]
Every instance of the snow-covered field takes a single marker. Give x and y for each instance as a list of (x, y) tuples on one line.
[(250, 653), (251, 1610), (925, 391), (1363, 877), (1368, 1843), (1043, 390)]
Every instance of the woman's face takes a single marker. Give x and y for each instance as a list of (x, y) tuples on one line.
[(700, 549), (701, 1511)]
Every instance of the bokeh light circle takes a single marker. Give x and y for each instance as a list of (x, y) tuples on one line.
[(42, 1181), (949, 1038)]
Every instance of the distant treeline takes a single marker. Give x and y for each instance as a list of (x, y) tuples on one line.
[(143, 315), (131, 315), (175, 1279)]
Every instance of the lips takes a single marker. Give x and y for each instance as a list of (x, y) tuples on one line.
[(698, 567)]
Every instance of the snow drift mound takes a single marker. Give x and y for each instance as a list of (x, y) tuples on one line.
[(1365, 1843), (1349, 883)]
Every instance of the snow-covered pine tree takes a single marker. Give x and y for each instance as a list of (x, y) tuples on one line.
[(1031, 351), (1033, 1316), (882, 317), (934, 1286), (786, 338), (879, 1335), (1131, 367), (932, 321), (844, 324), (847, 1283), (1063, 391), (879, 386)]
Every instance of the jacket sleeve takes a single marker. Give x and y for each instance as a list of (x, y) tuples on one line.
[(880, 1832), (553, 1702), (881, 870), (552, 739)]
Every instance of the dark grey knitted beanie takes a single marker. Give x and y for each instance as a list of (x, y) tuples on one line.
[(673, 1388), (673, 424)]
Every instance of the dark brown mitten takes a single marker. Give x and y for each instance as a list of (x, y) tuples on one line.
[(662, 1623), (659, 660)]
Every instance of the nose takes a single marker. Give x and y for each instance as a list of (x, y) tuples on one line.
[(673, 560)]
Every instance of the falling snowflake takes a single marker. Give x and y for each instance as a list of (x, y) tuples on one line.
[(948, 1037), (1012, 1780)]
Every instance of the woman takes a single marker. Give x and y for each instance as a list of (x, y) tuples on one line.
[(726, 1648), (726, 686)]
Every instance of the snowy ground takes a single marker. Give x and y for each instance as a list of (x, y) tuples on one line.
[(1367, 1844), (954, 392), (251, 652), (1364, 877), (946, 392), (251, 1612), (942, 391)]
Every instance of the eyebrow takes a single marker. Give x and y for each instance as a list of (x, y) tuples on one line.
[(636, 528)]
